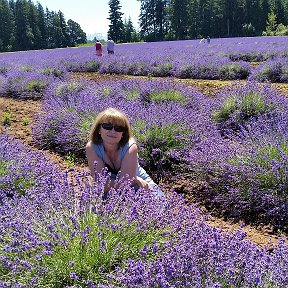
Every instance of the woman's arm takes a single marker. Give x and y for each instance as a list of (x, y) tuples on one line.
[(92, 157), (128, 167)]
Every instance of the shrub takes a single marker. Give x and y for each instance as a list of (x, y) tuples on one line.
[(157, 141), (240, 106), (56, 236), (20, 169), (57, 72), (272, 71), (25, 84), (234, 71)]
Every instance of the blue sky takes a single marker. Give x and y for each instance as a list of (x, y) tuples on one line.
[(92, 15)]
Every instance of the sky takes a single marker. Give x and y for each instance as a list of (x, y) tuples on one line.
[(92, 15)]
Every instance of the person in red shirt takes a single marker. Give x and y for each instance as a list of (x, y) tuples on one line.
[(99, 50)]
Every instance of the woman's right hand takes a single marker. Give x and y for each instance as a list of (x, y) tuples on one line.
[(142, 183)]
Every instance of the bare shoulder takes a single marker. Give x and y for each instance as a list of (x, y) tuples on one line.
[(133, 147), (89, 145)]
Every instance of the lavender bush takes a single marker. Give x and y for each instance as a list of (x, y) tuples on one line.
[(241, 104), (71, 107), (185, 59), (29, 83), (275, 70), (66, 235), (20, 170), (245, 176)]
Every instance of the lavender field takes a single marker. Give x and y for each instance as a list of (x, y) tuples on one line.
[(232, 148)]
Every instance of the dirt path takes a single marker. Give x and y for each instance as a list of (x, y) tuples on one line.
[(20, 115)]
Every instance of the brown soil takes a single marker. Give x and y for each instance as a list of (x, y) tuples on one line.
[(20, 115)]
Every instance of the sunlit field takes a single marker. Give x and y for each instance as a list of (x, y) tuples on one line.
[(230, 146)]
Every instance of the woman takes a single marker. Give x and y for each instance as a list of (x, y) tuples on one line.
[(112, 146), (98, 47)]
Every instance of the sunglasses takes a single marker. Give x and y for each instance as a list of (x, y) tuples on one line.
[(109, 126)]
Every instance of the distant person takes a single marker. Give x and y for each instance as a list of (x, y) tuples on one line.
[(203, 40), (99, 50), (110, 46), (208, 40)]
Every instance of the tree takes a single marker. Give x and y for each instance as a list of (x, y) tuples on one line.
[(179, 18), (24, 34), (205, 17), (34, 24), (75, 33), (271, 24), (193, 19), (128, 30), (262, 15), (7, 27), (42, 42), (64, 30), (116, 23), (153, 19)]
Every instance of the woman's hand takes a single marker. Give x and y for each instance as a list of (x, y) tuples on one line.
[(142, 183)]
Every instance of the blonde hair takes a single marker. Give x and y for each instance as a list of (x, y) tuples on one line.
[(114, 116)]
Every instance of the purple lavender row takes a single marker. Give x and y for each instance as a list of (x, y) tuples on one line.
[(61, 234), (181, 131), (20, 168), (28, 74)]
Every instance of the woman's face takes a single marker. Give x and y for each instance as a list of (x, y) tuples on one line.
[(108, 133)]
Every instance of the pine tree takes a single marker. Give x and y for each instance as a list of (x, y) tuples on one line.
[(34, 24), (24, 34), (116, 23), (43, 41), (153, 19), (76, 34), (179, 18), (7, 27), (128, 30)]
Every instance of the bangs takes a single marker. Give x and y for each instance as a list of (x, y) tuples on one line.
[(114, 119)]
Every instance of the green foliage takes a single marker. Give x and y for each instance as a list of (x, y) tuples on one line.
[(242, 108), (163, 70), (84, 126), (27, 68), (157, 141), (3, 168), (271, 25), (56, 72), (248, 29), (70, 159), (67, 88), (273, 72), (272, 175), (281, 30), (264, 169), (116, 26), (25, 121), (94, 252), (162, 95), (37, 86), (92, 66), (132, 94), (233, 71), (7, 118), (19, 184)]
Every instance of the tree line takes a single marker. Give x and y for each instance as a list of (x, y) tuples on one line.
[(26, 26), (192, 19)]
